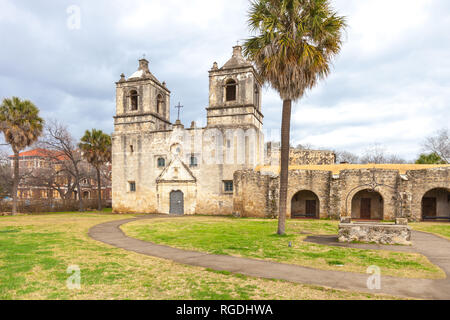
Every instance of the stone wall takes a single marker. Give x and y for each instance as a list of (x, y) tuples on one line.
[(396, 195), (299, 157), (351, 182), (417, 183), (375, 233), (257, 193), (253, 194)]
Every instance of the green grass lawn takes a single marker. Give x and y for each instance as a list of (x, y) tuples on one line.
[(255, 238), (35, 252), (441, 229)]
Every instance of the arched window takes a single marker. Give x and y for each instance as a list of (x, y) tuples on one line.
[(231, 88), (161, 162), (159, 104), (256, 96), (134, 100), (194, 161)]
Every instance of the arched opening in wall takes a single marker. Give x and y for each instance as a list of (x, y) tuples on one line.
[(367, 205), (231, 90), (257, 97), (86, 195), (159, 104), (305, 204), (436, 205), (134, 100)]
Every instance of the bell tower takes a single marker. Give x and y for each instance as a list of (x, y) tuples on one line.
[(234, 94), (142, 102)]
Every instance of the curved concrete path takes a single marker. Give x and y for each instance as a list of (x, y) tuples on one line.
[(435, 248)]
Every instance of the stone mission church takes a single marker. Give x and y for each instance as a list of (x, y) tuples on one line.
[(160, 167), (225, 168)]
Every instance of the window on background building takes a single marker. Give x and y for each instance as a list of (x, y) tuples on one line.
[(228, 186), (134, 100), (161, 162), (132, 186), (231, 88)]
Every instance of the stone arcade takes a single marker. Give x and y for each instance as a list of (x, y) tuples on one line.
[(225, 168)]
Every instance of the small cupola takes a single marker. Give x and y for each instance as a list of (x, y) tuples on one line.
[(143, 71), (237, 60), (143, 65)]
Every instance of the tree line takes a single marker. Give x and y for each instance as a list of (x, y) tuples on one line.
[(23, 127), (435, 150)]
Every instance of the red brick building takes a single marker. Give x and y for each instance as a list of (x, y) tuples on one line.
[(44, 177)]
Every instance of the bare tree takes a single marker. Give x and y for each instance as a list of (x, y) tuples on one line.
[(6, 175), (304, 146), (377, 154), (62, 148), (439, 144), (374, 154), (393, 158), (346, 157), (54, 179)]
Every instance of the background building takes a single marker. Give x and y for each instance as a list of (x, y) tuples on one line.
[(43, 178)]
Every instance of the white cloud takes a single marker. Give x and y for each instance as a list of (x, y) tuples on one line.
[(390, 84)]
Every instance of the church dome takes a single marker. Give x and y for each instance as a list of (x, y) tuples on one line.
[(143, 72), (137, 74), (237, 60)]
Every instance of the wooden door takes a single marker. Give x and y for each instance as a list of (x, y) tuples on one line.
[(176, 202), (366, 207), (429, 208), (311, 208)]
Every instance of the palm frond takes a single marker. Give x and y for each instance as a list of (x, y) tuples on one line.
[(294, 44)]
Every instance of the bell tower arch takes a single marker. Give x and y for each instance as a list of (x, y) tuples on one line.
[(142, 102), (234, 94)]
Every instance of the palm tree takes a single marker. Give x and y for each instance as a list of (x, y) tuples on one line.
[(21, 126), (96, 148), (292, 50)]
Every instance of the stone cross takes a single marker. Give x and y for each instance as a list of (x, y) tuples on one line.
[(179, 106)]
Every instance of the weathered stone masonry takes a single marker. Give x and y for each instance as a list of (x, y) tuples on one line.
[(160, 167), (225, 168), (397, 195)]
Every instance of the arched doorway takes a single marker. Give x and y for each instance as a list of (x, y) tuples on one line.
[(177, 202), (436, 204), (367, 205), (305, 204)]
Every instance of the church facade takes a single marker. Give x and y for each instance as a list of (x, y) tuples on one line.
[(160, 167), (226, 168)]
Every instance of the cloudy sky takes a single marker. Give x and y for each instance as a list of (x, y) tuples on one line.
[(389, 86)]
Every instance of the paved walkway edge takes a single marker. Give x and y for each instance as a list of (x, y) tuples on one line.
[(439, 254)]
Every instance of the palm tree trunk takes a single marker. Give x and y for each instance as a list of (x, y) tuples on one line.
[(284, 171), (15, 182), (99, 188)]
